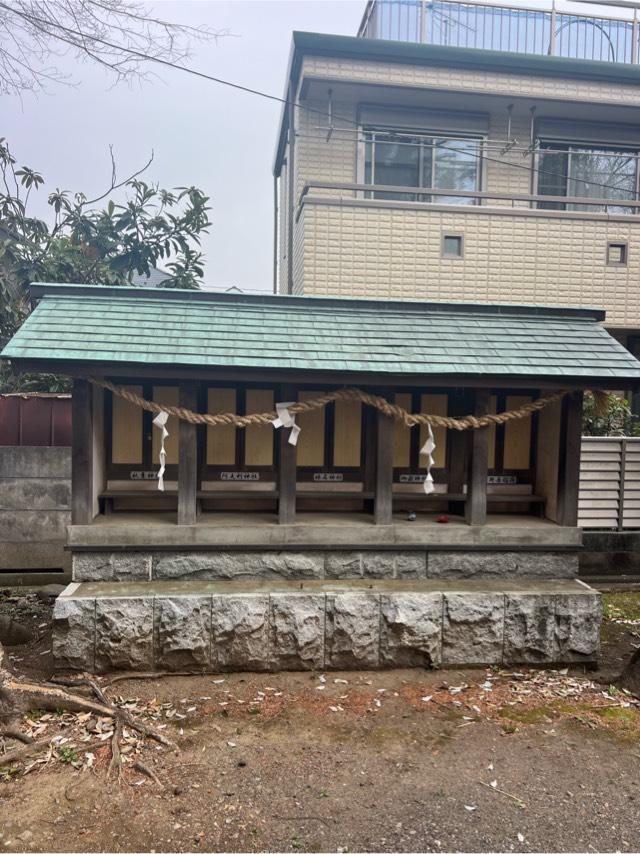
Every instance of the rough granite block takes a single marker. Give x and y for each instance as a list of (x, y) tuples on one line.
[(378, 564), (211, 566), (297, 631), (505, 564), (411, 565), (240, 632), (352, 630), (124, 634), (530, 628), (472, 628), (183, 633), (343, 565), (578, 618), (106, 566), (74, 634), (410, 629)]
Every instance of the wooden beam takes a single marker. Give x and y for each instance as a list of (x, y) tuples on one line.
[(383, 502), (82, 453), (569, 459), (188, 459), (287, 467), (476, 506)]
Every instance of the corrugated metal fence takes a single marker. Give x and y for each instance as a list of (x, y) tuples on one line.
[(609, 483)]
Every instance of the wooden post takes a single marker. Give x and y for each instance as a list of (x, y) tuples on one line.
[(569, 459), (476, 506), (287, 468), (82, 453), (458, 451), (383, 502), (188, 459)]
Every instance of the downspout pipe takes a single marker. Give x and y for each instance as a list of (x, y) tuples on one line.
[(275, 234)]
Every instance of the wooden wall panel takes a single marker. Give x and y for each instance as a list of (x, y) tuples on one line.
[(517, 436), (311, 439), (402, 435), (259, 438), (493, 408), (435, 404), (221, 440), (347, 439), (126, 430), (169, 395)]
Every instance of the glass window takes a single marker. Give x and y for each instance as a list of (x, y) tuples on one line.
[(587, 172), (403, 159)]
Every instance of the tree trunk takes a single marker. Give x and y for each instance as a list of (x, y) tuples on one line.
[(630, 676)]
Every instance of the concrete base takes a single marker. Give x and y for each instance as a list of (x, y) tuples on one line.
[(318, 624)]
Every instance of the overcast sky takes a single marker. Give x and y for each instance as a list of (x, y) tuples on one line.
[(205, 134), (202, 133)]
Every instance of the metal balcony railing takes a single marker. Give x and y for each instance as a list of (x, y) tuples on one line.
[(503, 27), (430, 196)]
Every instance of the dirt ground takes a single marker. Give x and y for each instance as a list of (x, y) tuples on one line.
[(474, 760)]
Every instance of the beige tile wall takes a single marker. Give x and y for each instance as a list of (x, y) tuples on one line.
[(395, 253), (370, 251)]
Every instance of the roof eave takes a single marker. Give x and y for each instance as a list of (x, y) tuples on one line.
[(410, 52)]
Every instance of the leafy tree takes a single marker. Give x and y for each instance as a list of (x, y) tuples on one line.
[(616, 420), (89, 244)]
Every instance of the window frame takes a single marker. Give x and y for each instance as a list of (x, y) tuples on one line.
[(361, 158), (571, 146)]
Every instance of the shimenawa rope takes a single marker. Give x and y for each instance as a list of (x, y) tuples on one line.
[(393, 410)]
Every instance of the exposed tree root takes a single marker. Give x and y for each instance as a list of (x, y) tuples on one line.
[(18, 696), (116, 759), (148, 772), (21, 753), (16, 734), (151, 674)]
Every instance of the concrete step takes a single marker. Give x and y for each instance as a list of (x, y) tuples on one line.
[(320, 624)]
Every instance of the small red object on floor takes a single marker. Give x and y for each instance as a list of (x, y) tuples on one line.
[(442, 519)]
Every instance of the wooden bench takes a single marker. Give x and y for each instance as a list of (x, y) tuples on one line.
[(492, 498), (108, 497)]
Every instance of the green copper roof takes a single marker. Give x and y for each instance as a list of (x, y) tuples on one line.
[(137, 326)]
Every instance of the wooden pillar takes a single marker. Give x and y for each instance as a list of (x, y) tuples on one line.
[(458, 451), (476, 506), (287, 468), (188, 459), (383, 502), (569, 459), (82, 453)]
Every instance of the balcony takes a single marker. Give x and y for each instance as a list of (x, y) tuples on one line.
[(502, 27), (497, 247)]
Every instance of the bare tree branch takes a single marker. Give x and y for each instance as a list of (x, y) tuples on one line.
[(123, 36)]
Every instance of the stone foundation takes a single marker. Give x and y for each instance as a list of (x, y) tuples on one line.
[(320, 624), (272, 565)]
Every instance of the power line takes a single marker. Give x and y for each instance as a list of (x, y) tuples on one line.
[(35, 19)]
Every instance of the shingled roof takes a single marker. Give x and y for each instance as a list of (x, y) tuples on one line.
[(91, 325)]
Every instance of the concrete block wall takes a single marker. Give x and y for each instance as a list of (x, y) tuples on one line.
[(35, 502)]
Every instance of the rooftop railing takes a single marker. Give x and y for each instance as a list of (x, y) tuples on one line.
[(503, 27)]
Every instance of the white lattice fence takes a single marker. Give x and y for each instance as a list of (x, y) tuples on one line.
[(609, 483)]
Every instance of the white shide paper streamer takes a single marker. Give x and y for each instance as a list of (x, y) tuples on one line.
[(286, 419), (427, 449), (160, 421)]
